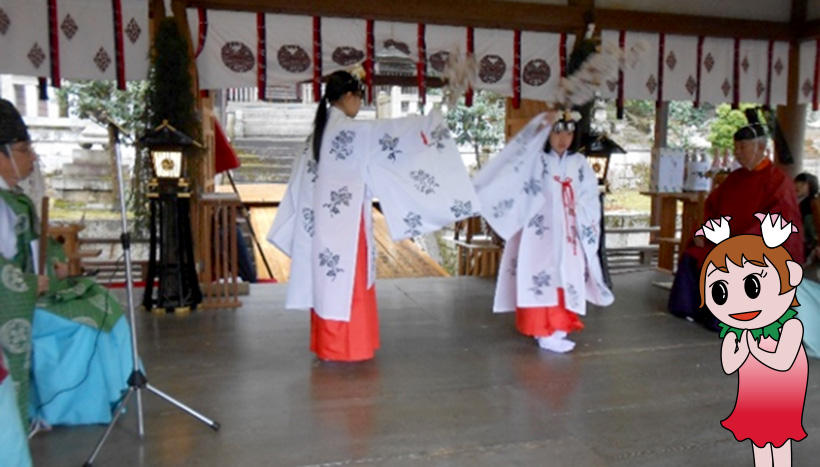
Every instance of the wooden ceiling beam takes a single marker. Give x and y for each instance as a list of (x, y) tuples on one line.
[(525, 16), (810, 29), (692, 25), (477, 13)]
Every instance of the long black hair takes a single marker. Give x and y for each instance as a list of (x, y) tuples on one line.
[(338, 84), (576, 138), (811, 181)]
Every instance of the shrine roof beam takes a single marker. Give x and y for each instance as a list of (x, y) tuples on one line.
[(476, 13), (692, 25), (810, 29), (516, 15)]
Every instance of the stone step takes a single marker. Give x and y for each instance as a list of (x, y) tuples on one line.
[(87, 171), (270, 175), (90, 199), (74, 184)]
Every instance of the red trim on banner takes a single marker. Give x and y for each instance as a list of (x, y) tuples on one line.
[(769, 57), (261, 56), (562, 54), (517, 70), (698, 71), (736, 76), (816, 74), (119, 53), (369, 62), (620, 100), (468, 97), (421, 65), (661, 63), (54, 38), (202, 32), (317, 58)]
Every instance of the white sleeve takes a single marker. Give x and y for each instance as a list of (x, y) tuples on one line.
[(8, 239), (288, 218)]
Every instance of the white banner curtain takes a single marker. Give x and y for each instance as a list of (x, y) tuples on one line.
[(228, 58)]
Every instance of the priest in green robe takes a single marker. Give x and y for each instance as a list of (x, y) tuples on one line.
[(64, 338)]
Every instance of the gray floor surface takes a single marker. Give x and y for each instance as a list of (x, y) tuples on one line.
[(452, 385)]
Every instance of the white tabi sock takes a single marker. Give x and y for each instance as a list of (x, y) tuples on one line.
[(556, 342)]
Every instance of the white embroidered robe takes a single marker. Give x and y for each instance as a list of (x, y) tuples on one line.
[(547, 209), (410, 164)]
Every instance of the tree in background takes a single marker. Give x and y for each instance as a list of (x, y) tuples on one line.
[(481, 126), (101, 102), (686, 124), (726, 123)]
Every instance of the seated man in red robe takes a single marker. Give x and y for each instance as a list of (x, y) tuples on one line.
[(757, 186)]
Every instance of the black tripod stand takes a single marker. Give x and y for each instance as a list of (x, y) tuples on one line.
[(137, 382)]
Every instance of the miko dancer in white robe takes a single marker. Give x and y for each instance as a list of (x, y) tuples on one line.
[(324, 222), (542, 198)]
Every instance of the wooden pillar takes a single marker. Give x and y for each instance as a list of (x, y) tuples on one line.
[(156, 13), (661, 132), (516, 119), (792, 116), (203, 176)]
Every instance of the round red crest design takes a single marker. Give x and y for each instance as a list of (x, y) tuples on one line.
[(347, 56), (491, 69), (237, 57), (293, 58), (439, 60), (536, 72)]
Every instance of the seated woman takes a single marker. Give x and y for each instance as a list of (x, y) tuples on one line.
[(65, 339)]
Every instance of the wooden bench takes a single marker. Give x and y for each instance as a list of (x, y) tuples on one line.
[(645, 253), (479, 257)]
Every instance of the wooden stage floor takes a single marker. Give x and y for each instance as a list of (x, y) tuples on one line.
[(452, 385)]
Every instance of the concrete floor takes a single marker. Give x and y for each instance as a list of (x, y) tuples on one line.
[(452, 385)]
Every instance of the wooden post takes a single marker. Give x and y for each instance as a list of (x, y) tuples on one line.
[(661, 133), (792, 116), (203, 178), (516, 119)]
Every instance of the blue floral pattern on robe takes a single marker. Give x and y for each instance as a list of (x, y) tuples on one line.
[(330, 261), (337, 198), (342, 144)]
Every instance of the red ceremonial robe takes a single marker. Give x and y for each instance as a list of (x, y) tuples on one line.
[(765, 189)]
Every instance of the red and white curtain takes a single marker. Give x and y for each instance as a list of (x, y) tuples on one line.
[(75, 39), (289, 46), (108, 39), (541, 65), (494, 51), (680, 77), (396, 40), (344, 44), (26, 48), (809, 70), (701, 69), (228, 57), (440, 42)]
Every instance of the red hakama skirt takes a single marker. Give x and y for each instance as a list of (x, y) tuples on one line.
[(542, 321), (357, 339)]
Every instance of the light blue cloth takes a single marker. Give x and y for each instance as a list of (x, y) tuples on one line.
[(13, 443), (808, 294), (78, 372)]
